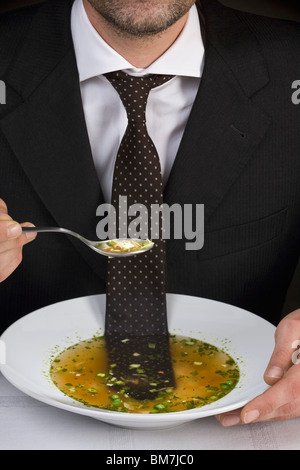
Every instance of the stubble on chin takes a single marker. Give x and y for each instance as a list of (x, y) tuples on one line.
[(141, 18)]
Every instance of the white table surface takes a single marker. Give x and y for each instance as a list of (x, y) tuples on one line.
[(27, 424)]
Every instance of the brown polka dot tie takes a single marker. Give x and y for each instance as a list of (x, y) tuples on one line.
[(136, 286)]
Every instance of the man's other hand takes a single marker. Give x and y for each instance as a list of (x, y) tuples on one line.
[(282, 400)]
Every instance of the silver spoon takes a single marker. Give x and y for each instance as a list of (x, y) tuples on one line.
[(101, 247)]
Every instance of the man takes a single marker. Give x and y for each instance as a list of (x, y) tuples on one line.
[(234, 131)]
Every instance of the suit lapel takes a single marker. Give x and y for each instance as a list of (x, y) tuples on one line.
[(47, 133), (225, 127)]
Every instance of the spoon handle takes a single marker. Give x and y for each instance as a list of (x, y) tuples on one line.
[(44, 229), (51, 229), (40, 229)]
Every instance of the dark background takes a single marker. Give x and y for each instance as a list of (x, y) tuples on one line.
[(286, 9)]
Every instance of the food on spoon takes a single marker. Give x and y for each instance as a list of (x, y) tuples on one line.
[(127, 245)]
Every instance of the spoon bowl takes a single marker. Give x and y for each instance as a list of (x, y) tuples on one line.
[(117, 248)]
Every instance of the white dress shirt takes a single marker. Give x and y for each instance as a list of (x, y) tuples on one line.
[(168, 106)]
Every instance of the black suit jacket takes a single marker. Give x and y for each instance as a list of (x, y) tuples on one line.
[(239, 156)]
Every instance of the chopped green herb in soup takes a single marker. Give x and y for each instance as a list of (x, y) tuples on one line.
[(203, 375), (124, 246)]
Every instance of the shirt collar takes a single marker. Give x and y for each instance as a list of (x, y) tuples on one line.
[(95, 57)]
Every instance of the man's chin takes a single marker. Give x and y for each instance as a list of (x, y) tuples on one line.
[(138, 18)]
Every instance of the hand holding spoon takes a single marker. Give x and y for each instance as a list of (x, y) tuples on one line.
[(112, 248)]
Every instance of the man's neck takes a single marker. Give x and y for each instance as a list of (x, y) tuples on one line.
[(140, 52)]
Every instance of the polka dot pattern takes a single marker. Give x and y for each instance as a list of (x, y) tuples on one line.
[(136, 286)]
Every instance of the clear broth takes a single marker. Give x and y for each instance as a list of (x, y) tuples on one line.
[(203, 375)]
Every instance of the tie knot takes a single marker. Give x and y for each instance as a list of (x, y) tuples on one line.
[(134, 91)]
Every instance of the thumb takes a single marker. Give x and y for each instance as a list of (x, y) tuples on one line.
[(287, 338)]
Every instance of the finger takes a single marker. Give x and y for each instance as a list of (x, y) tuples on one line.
[(28, 236), (288, 411), (283, 395), (9, 229), (231, 418), (3, 207), (12, 244), (287, 333)]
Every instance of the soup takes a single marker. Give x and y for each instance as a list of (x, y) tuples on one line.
[(203, 374), (125, 246)]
